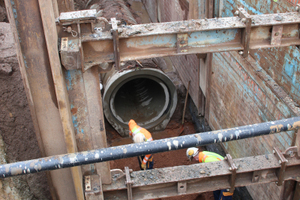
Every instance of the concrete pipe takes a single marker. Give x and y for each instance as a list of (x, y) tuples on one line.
[(146, 95)]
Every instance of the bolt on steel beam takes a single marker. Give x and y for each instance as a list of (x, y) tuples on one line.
[(156, 146)]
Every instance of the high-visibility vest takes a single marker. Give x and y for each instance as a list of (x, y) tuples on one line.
[(136, 129), (207, 156)]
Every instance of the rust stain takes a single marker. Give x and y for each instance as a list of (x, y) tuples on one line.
[(74, 111)]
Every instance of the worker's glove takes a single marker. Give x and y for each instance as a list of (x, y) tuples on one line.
[(143, 166)]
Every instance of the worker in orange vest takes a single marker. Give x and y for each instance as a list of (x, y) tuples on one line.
[(205, 157), (140, 134)]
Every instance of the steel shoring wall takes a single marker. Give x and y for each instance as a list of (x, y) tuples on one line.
[(132, 150)]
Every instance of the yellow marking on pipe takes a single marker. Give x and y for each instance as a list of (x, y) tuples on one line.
[(276, 128)]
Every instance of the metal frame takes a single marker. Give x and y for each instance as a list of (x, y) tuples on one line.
[(203, 177), (176, 38), (130, 43)]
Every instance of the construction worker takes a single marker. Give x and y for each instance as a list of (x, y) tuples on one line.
[(139, 135), (205, 157)]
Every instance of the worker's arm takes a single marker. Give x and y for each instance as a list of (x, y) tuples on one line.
[(146, 158)]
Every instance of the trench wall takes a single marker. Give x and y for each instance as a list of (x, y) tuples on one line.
[(239, 94)]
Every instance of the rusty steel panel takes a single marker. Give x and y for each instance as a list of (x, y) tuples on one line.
[(202, 177), (285, 60), (87, 117), (241, 94), (278, 69)]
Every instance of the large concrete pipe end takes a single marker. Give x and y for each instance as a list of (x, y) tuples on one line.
[(146, 95)]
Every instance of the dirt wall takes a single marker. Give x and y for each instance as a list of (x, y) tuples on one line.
[(16, 128)]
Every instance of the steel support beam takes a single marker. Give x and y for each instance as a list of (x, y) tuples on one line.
[(156, 146), (198, 178), (204, 36)]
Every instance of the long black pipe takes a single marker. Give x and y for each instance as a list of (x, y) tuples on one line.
[(156, 146)]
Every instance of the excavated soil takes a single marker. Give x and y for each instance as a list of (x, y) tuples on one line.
[(16, 127)]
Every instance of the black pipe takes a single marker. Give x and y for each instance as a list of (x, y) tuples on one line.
[(156, 146)]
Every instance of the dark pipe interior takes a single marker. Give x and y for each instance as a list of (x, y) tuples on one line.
[(140, 99)]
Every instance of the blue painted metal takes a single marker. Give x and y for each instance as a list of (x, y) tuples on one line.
[(233, 74), (156, 40), (78, 107), (290, 72), (202, 39)]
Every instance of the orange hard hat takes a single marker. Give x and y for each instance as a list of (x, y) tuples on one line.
[(131, 124)]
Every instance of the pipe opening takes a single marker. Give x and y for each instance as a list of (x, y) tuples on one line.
[(142, 99), (146, 95)]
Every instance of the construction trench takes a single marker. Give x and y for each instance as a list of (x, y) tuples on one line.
[(236, 61)]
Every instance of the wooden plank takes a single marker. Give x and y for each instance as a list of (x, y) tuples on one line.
[(28, 92), (50, 32), (208, 73)]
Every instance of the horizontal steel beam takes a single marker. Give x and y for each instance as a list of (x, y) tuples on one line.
[(204, 177), (156, 146), (182, 37)]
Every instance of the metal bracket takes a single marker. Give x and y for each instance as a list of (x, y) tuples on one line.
[(246, 18), (291, 152), (181, 187), (128, 183), (256, 176), (87, 181), (233, 169), (116, 42), (276, 35), (116, 174), (182, 42), (282, 161), (93, 187)]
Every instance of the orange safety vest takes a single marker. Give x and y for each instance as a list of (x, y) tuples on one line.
[(206, 156), (136, 129)]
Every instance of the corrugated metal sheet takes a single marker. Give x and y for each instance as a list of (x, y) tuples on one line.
[(239, 96)]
